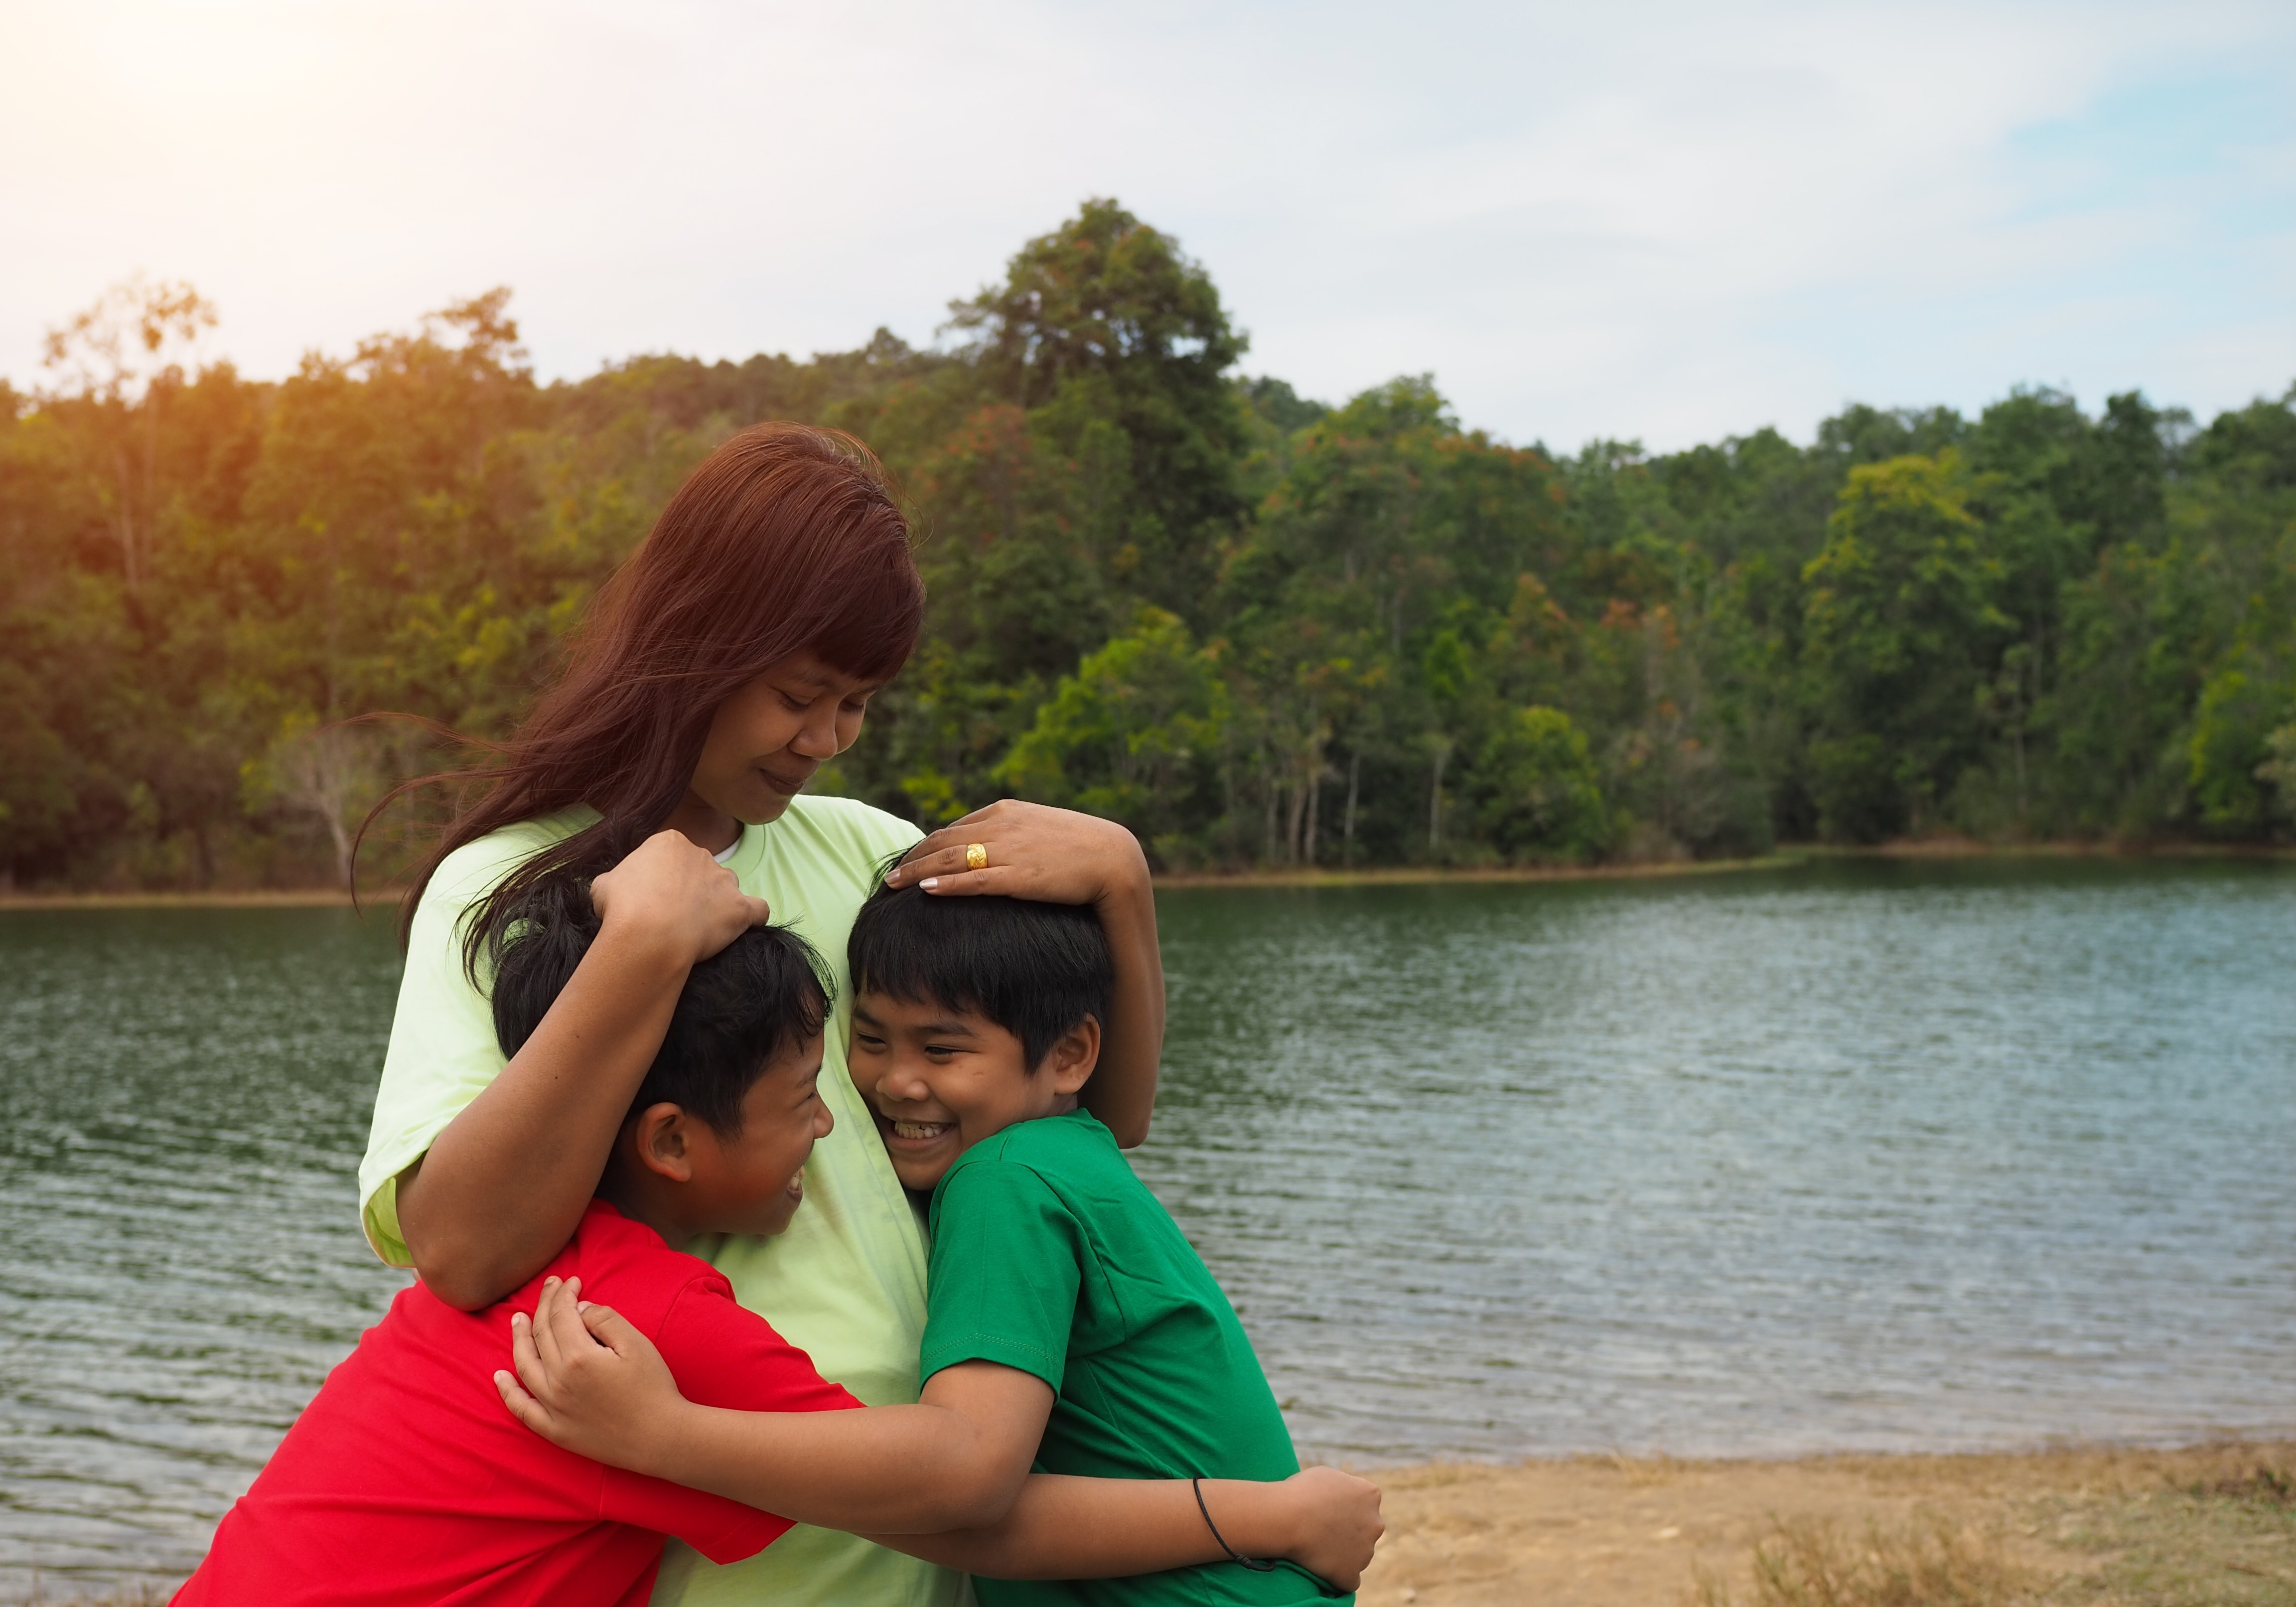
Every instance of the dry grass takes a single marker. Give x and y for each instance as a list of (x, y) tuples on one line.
[(2210, 1526), (2220, 1535), (1930, 1562)]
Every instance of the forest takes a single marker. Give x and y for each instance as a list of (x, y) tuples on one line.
[(1261, 630)]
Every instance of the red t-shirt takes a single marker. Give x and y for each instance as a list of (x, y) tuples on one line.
[(408, 1481)]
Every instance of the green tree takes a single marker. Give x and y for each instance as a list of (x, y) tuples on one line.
[(119, 359), (1105, 319), (1901, 626), (1539, 794), (1134, 734)]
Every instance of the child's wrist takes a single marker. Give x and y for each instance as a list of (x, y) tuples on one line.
[(1257, 1519), (1292, 1519), (663, 1448)]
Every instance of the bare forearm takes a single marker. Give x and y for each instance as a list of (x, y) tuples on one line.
[(1061, 1528), (1122, 1093), (896, 1468), (503, 1186)]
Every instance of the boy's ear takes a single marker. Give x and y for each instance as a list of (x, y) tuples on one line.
[(1070, 1061), (660, 1140)]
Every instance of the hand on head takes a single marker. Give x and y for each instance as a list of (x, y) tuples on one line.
[(673, 891), (1032, 851)]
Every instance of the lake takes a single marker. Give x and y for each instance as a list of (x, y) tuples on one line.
[(1854, 1155)]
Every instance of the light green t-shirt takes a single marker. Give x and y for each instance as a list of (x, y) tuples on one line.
[(846, 1282)]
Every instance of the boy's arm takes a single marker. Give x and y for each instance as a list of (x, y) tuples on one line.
[(953, 1462), (1093, 1528), (596, 1386)]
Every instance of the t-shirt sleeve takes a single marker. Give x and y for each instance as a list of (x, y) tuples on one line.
[(442, 1052), (722, 1355), (1007, 1263)]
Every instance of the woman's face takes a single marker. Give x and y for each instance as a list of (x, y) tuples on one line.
[(770, 737)]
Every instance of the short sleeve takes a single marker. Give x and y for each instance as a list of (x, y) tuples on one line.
[(442, 1052), (721, 1356), (1008, 1265)]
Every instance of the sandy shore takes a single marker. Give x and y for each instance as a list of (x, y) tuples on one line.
[(2101, 1526), (2211, 1524)]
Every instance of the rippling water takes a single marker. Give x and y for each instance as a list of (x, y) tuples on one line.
[(184, 1098), (1854, 1156)]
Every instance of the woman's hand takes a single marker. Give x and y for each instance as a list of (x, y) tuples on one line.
[(1338, 1524), (1053, 856), (587, 1380), (672, 891)]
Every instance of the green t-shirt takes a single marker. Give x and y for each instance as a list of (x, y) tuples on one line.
[(1050, 1256), (846, 1282)]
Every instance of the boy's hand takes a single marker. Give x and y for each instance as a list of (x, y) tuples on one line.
[(592, 1385), (1338, 1524)]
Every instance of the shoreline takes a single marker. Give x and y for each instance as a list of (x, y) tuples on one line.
[(310, 898), (2098, 1524), (1409, 875), (1786, 858)]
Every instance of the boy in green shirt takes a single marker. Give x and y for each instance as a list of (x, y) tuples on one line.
[(976, 1020)]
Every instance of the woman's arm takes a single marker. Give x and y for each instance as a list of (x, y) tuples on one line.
[(1062, 1527), (504, 1184), (1060, 856), (1122, 1092)]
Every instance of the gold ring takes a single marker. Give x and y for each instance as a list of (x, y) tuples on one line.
[(976, 858)]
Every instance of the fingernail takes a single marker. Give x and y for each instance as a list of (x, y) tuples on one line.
[(930, 882)]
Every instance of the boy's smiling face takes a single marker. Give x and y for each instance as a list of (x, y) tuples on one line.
[(940, 1080), (753, 1181), (684, 1177)]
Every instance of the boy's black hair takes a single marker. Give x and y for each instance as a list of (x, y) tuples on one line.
[(1035, 970), (761, 994)]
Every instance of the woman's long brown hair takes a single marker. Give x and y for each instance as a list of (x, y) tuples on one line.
[(786, 538)]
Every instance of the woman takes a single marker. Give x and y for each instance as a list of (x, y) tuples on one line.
[(734, 654)]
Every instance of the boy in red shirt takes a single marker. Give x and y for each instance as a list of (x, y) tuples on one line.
[(405, 1482)]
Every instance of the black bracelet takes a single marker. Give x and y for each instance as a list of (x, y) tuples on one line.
[(1257, 1564)]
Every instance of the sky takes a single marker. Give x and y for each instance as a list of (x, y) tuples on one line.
[(1643, 220)]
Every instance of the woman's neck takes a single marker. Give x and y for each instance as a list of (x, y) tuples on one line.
[(707, 827)]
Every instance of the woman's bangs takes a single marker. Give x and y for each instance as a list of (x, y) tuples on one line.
[(879, 614)]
